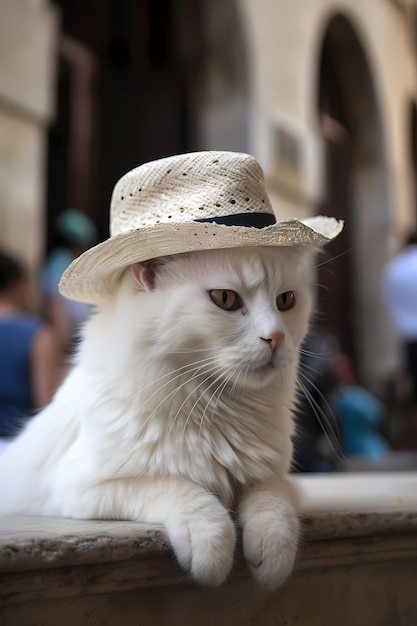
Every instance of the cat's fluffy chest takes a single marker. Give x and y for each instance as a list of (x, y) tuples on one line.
[(238, 442)]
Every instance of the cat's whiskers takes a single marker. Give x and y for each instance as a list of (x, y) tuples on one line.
[(220, 397), (246, 376), (185, 370), (191, 368), (334, 445), (219, 377), (233, 388), (172, 393), (189, 351), (316, 355), (121, 411), (325, 287), (335, 428), (219, 389), (333, 258), (285, 377), (185, 401)]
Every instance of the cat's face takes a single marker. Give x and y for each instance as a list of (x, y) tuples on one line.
[(238, 314)]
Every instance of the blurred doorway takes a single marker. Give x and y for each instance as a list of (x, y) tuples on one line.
[(72, 157), (336, 305), (166, 76), (126, 93), (355, 190)]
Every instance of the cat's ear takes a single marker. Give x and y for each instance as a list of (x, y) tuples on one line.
[(145, 273), (144, 276)]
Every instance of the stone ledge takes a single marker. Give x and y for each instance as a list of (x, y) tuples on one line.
[(50, 558), (357, 565)]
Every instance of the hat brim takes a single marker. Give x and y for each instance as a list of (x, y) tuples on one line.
[(94, 274)]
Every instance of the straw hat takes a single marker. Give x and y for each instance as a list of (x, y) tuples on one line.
[(195, 201)]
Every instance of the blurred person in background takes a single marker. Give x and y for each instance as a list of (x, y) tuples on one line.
[(360, 413), (75, 233), (336, 418), (28, 355), (400, 295)]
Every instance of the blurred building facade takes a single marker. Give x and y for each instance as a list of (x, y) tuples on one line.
[(323, 93), (28, 35)]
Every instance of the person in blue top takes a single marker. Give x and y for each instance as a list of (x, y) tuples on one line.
[(361, 415), (28, 357)]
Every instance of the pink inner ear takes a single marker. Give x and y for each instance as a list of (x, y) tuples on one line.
[(136, 271), (144, 274)]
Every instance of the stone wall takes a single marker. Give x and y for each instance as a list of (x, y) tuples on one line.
[(28, 33)]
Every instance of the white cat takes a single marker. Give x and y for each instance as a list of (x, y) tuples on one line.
[(178, 411)]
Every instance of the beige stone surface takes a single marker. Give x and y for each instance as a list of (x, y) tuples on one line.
[(22, 208), (27, 57), (364, 491), (353, 569)]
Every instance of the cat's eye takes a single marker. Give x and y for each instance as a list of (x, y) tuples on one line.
[(286, 300), (225, 298)]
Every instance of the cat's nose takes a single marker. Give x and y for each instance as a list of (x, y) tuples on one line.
[(274, 340)]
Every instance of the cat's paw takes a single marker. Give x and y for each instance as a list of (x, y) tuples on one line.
[(270, 540), (204, 542)]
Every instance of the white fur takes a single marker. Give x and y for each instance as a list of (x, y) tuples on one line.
[(177, 412)]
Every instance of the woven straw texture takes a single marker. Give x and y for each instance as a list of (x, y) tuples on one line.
[(188, 187), (154, 206)]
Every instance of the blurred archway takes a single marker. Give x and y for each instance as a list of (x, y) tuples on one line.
[(355, 190)]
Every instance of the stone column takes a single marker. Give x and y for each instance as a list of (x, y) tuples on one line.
[(28, 36)]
